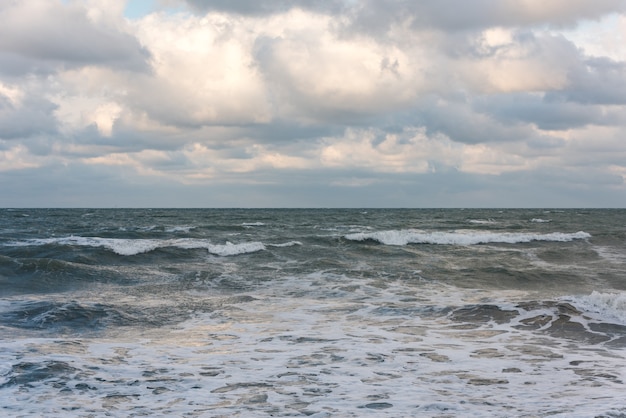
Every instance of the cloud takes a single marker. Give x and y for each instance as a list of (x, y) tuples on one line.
[(252, 7), (341, 103), (23, 116), (599, 81), (372, 16), (49, 34), (548, 112), (202, 73), (315, 76)]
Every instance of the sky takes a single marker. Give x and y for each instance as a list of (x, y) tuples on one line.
[(294, 103)]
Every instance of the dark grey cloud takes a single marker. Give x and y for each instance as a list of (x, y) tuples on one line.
[(443, 14), (459, 121), (33, 116), (458, 15), (285, 130), (14, 65), (255, 7), (62, 35), (599, 81), (547, 112)]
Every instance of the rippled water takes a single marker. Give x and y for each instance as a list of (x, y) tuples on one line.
[(312, 313)]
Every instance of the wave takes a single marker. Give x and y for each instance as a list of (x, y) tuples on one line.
[(540, 221), (129, 247), (286, 244), (179, 228), (609, 307), (411, 236), (236, 249), (482, 221), (44, 314)]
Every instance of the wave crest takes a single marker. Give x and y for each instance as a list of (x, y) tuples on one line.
[(129, 247), (410, 236), (236, 249), (609, 306)]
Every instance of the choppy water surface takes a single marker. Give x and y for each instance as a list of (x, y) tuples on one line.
[(430, 313)]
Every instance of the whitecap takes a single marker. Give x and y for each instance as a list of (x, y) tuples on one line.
[(607, 307), (540, 221), (180, 229), (236, 249), (117, 245), (147, 228), (411, 236), (286, 244), (129, 247)]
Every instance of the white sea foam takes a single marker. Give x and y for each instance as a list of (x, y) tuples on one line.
[(311, 355), (147, 228), (180, 229), (482, 221), (608, 307), (367, 353), (614, 255), (253, 224), (129, 247), (286, 244), (117, 245), (411, 236), (236, 249), (540, 221)]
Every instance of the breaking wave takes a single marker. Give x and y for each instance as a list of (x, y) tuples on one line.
[(410, 236), (129, 247), (609, 307)]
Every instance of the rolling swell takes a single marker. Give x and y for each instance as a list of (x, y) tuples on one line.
[(51, 317), (71, 315), (74, 317), (43, 275)]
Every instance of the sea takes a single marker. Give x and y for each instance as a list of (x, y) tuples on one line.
[(313, 312)]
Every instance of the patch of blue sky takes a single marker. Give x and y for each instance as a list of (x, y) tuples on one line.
[(136, 9)]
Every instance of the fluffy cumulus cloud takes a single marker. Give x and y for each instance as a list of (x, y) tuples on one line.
[(299, 103)]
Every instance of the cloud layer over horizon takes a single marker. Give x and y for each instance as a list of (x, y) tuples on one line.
[(345, 103)]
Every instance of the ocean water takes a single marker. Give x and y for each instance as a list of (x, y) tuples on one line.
[(323, 313)]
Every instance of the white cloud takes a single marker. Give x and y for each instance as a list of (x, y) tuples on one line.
[(317, 74), (76, 113), (203, 72), (368, 149)]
